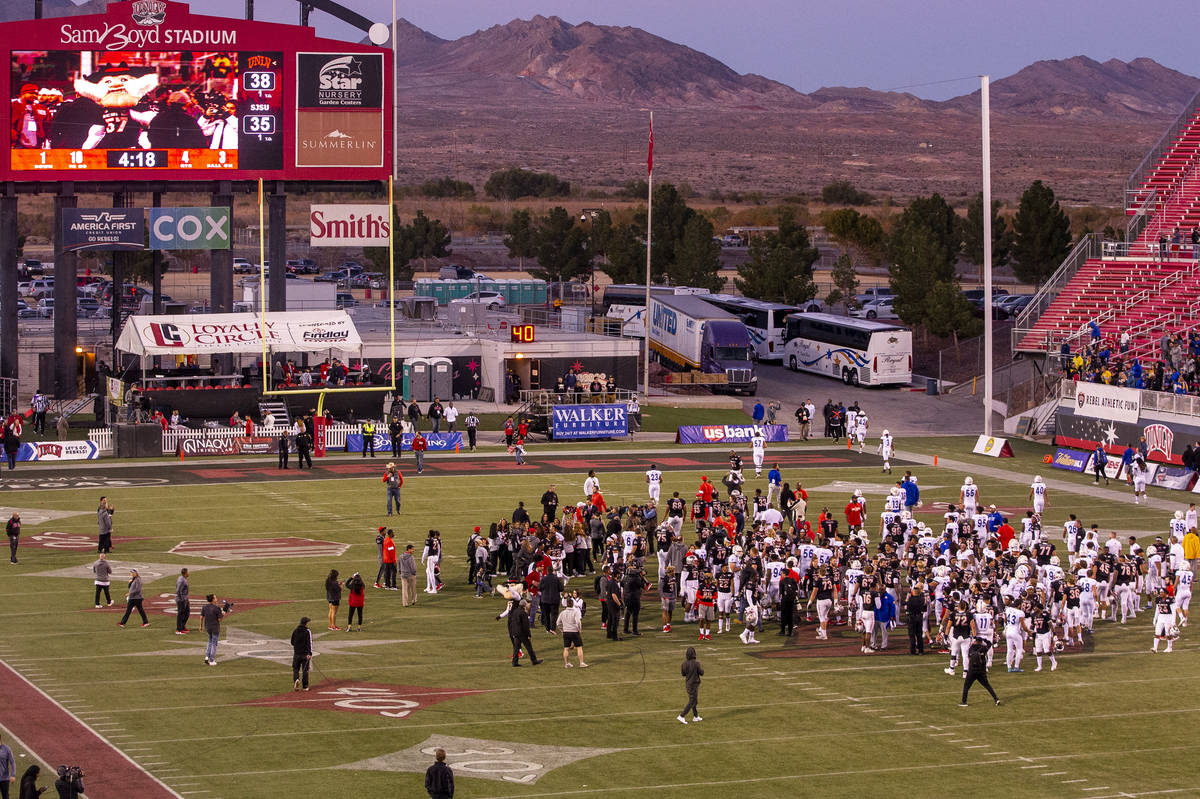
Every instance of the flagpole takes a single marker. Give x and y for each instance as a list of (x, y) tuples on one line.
[(649, 228)]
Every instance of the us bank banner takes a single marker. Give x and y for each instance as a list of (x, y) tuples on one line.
[(290, 331), (590, 421), (730, 433), (1108, 402)]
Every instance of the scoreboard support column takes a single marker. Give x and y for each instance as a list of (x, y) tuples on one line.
[(156, 262), (66, 326), (221, 270), (8, 282), (277, 245)]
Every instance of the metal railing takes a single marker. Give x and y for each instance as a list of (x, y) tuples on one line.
[(1141, 217), (1165, 143), (1090, 246), (1158, 224), (1161, 401)]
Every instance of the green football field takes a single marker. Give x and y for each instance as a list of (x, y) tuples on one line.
[(794, 720)]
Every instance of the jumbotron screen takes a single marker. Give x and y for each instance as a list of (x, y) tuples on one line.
[(197, 110)]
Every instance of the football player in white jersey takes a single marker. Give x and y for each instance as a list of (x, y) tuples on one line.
[(1183, 593), (892, 507), (979, 524), (654, 481), (968, 496), (851, 578), (1191, 517), (985, 625), (1016, 626), (806, 552), (886, 445), (1139, 473), (1178, 527), (1089, 590), (1037, 493), (758, 448), (860, 430)]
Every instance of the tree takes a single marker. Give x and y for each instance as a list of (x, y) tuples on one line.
[(1042, 235), (933, 215), (671, 218), (857, 231), (972, 234), (520, 237), (842, 192), (377, 257), (845, 282), (561, 247), (780, 265), (427, 238), (447, 187), (512, 184), (920, 262), (949, 313), (625, 255), (697, 259)]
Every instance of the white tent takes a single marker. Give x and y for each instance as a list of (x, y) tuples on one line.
[(212, 334)]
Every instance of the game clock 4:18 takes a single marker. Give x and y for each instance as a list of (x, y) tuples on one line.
[(137, 159)]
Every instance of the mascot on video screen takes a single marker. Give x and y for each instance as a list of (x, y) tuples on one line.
[(102, 116)]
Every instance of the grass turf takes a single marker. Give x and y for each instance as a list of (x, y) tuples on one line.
[(842, 726)]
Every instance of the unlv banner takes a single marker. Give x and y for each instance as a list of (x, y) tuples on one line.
[(729, 433), (289, 331), (1100, 401), (59, 451), (590, 421), (349, 225)]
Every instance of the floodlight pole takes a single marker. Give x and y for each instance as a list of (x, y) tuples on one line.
[(987, 257)]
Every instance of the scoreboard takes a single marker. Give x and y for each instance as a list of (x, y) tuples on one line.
[(149, 91)]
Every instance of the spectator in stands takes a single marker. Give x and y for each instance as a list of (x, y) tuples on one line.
[(1162, 245), (1095, 328), (1196, 242), (1123, 347)]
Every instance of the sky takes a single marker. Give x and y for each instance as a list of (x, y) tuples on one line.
[(932, 48)]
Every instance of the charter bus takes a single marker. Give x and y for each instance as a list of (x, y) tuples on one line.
[(863, 352), (766, 321)]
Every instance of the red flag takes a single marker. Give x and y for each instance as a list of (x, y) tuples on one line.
[(650, 153)]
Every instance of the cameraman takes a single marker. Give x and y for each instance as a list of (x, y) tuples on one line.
[(70, 782), (211, 613)]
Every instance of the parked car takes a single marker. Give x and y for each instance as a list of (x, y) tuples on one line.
[(876, 309), (494, 300), (41, 287), (241, 266), (976, 295), (351, 267), (732, 240), (30, 268), (86, 306), (873, 293), (327, 277), (45, 308), (346, 300), (303, 266), (1014, 303)]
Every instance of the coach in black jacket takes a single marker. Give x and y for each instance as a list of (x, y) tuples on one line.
[(518, 631), (915, 607), (302, 653)]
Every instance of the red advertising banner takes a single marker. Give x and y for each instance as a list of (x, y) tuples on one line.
[(150, 91)]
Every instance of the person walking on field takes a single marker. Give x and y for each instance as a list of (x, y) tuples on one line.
[(13, 528), (302, 652), (977, 669), (133, 599), (8, 769), (104, 516), (692, 671), (570, 625), (408, 577), (439, 779), (183, 605), (211, 613), (389, 560), (357, 589), (393, 480), (333, 595), (103, 572)]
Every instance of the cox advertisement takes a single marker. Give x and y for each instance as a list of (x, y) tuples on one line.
[(730, 433), (439, 442), (590, 421)]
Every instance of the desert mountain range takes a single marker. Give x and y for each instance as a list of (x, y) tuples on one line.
[(571, 98)]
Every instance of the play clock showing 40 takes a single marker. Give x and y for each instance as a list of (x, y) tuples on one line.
[(522, 334)]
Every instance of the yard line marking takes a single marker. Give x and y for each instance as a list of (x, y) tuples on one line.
[(1098, 788), (891, 717), (1052, 774), (977, 746), (938, 734), (1039, 765), (907, 722), (1070, 781), (959, 740)]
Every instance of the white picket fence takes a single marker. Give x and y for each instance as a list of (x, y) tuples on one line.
[(335, 435)]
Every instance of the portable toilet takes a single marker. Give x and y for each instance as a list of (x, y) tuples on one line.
[(461, 288), (527, 292), (406, 381), (419, 382), (422, 288), (539, 292), (443, 377), (510, 290), (439, 291)]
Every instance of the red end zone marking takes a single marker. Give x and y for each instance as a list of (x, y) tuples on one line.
[(353, 468), (57, 736), (257, 548), (392, 701), (226, 474)]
